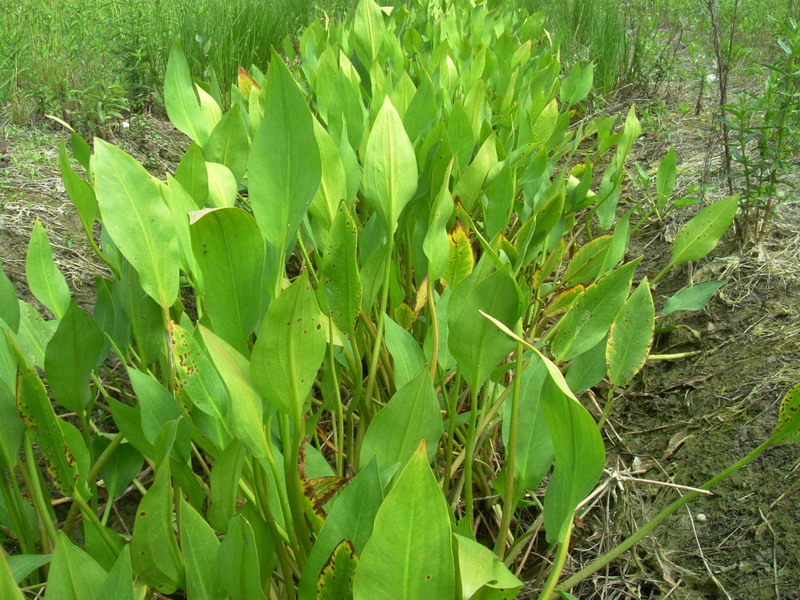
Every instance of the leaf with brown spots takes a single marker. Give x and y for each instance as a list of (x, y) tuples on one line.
[(787, 431), (336, 580)]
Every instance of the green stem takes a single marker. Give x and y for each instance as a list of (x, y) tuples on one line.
[(13, 510), (655, 521), (92, 475), (92, 516), (260, 485), (452, 412), (469, 458), (661, 273), (558, 564), (606, 408), (291, 459), (511, 457), (339, 416), (376, 348), (34, 485)]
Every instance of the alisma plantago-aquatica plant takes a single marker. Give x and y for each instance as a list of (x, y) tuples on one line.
[(367, 281)]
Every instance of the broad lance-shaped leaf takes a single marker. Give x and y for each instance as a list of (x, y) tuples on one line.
[(44, 279), (229, 143), (333, 185), (339, 274), (200, 546), (246, 408), (410, 553), (70, 358), (534, 444), (155, 554), (476, 343), (351, 518), (80, 193), (460, 259), (787, 431), (368, 30), (138, 220), (180, 99), (390, 166), (589, 319), (483, 575), (407, 357), (290, 348), (230, 252), (578, 445), (631, 336), (74, 575), (237, 559), (37, 413), (284, 169), (411, 415), (192, 174), (699, 236), (579, 454), (692, 298), (437, 244)]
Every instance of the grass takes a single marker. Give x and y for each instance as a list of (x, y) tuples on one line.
[(90, 62)]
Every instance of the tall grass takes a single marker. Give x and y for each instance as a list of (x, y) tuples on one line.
[(88, 60)]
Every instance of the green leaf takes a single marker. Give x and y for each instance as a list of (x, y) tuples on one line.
[(577, 85), (192, 174), (437, 243), (411, 415), (229, 144), (8, 587), (350, 518), (333, 185), (70, 357), (138, 220), (476, 343), (336, 579), (180, 99), (410, 553), (11, 425), (534, 444), (285, 169), (37, 413), (588, 369), (246, 410), (225, 476), (200, 546), (230, 252), (9, 304), (124, 464), (368, 30), (290, 348), (588, 261), (238, 561), (667, 174), (579, 455), (222, 188), (699, 236), (590, 318), (157, 404), (631, 336), (483, 575), (44, 279), (22, 565), (469, 187), (80, 193), (390, 166), (407, 356), (787, 431), (156, 558), (460, 259), (74, 575), (120, 582), (692, 298), (339, 274)]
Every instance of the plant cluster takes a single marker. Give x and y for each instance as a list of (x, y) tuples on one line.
[(765, 139), (369, 282)]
